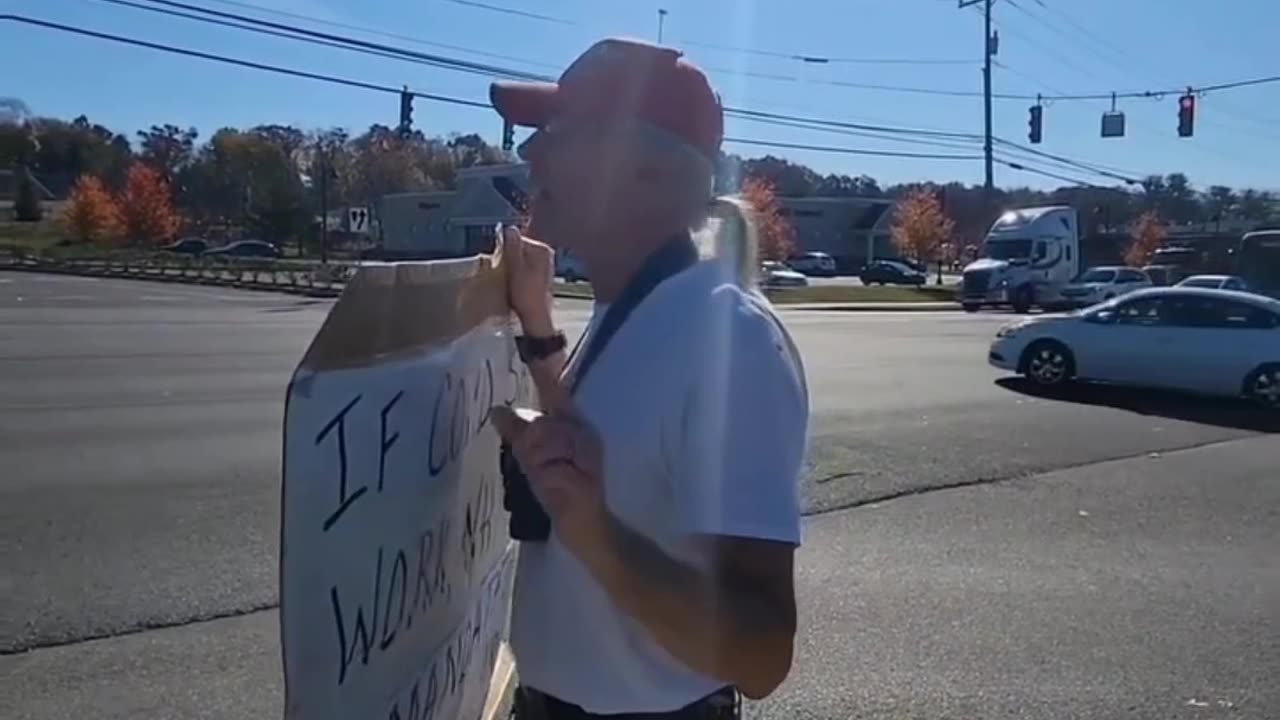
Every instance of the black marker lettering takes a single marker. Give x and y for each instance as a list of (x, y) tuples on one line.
[(458, 422), (483, 405), (360, 633), (339, 421), (432, 581), (399, 570), (435, 464), (387, 442)]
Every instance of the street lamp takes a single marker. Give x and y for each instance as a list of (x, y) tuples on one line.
[(662, 15)]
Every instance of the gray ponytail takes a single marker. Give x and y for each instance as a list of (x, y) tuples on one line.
[(728, 235)]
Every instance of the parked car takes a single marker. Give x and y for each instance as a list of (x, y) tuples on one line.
[(774, 274), (187, 246), (1162, 275), (1216, 342), (1215, 282), (891, 272), (246, 249), (1103, 283), (816, 264)]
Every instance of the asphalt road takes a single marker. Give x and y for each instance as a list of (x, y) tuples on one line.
[(139, 505)]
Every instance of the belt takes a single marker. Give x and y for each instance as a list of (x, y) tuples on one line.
[(532, 704)]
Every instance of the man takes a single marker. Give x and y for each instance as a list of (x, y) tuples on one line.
[(668, 449)]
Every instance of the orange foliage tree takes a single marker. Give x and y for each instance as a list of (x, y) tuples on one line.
[(920, 227), (774, 234), (92, 214), (146, 207), (1146, 234)]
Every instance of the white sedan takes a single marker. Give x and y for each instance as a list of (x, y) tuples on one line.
[(1215, 342), (774, 274)]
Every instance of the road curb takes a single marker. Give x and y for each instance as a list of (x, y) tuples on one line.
[(301, 290), (333, 292), (906, 307)]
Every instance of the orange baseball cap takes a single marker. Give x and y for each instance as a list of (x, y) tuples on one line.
[(618, 78)]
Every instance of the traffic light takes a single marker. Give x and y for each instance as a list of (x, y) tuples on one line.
[(1186, 115), (406, 111), (508, 136), (1035, 124)]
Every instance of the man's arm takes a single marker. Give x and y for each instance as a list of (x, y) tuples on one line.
[(737, 623), (546, 371), (735, 447)]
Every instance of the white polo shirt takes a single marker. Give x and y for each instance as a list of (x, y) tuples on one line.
[(701, 403)]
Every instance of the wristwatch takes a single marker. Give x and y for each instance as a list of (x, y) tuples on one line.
[(532, 348)]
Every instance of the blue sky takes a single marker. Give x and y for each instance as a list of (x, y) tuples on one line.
[(1046, 46)]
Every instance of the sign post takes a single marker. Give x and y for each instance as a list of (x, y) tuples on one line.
[(396, 566)]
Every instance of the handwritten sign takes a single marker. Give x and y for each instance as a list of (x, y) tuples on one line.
[(396, 566)]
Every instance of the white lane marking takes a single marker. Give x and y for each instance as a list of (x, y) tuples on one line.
[(64, 298)]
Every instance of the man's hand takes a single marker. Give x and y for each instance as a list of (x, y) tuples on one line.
[(529, 266), (563, 458)]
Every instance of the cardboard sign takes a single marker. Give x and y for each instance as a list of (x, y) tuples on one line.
[(396, 567)]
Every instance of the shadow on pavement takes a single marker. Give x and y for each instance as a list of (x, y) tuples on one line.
[(1221, 412)]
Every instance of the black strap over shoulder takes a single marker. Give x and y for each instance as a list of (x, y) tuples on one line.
[(677, 255), (529, 522)]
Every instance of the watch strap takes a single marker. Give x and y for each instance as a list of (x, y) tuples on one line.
[(533, 348)]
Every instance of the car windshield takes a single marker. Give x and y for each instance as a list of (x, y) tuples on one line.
[(1007, 249), (1096, 276)]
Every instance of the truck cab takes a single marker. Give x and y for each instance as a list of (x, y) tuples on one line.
[(1027, 257)]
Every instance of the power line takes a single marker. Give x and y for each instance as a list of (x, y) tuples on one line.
[(890, 137), (816, 59), (805, 57), (849, 151), (513, 11), (890, 133), (744, 113), (1097, 170), (242, 63), (382, 33), (326, 39), (273, 33), (1046, 173), (438, 60)]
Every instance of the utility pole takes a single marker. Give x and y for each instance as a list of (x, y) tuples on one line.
[(990, 46), (322, 184), (662, 15)]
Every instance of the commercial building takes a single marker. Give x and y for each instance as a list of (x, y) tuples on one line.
[(849, 229), (460, 222), (452, 223)]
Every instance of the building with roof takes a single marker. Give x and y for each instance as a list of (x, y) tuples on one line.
[(452, 223), (460, 222), (849, 229)]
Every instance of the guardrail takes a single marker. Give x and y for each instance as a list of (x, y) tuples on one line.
[(248, 273)]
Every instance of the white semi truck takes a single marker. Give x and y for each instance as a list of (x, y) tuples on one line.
[(1027, 257)]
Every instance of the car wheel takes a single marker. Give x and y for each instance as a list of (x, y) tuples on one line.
[(1263, 386), (1048, 363), (971, 307)]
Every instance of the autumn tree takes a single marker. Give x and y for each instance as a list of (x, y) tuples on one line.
[(920, 227), (774, 233), (146, 207), (1146, 236), (92, 214)]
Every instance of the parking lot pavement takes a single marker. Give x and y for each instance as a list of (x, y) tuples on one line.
[(140, 430)]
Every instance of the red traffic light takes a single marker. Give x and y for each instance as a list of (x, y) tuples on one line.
[(1187, 102)]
